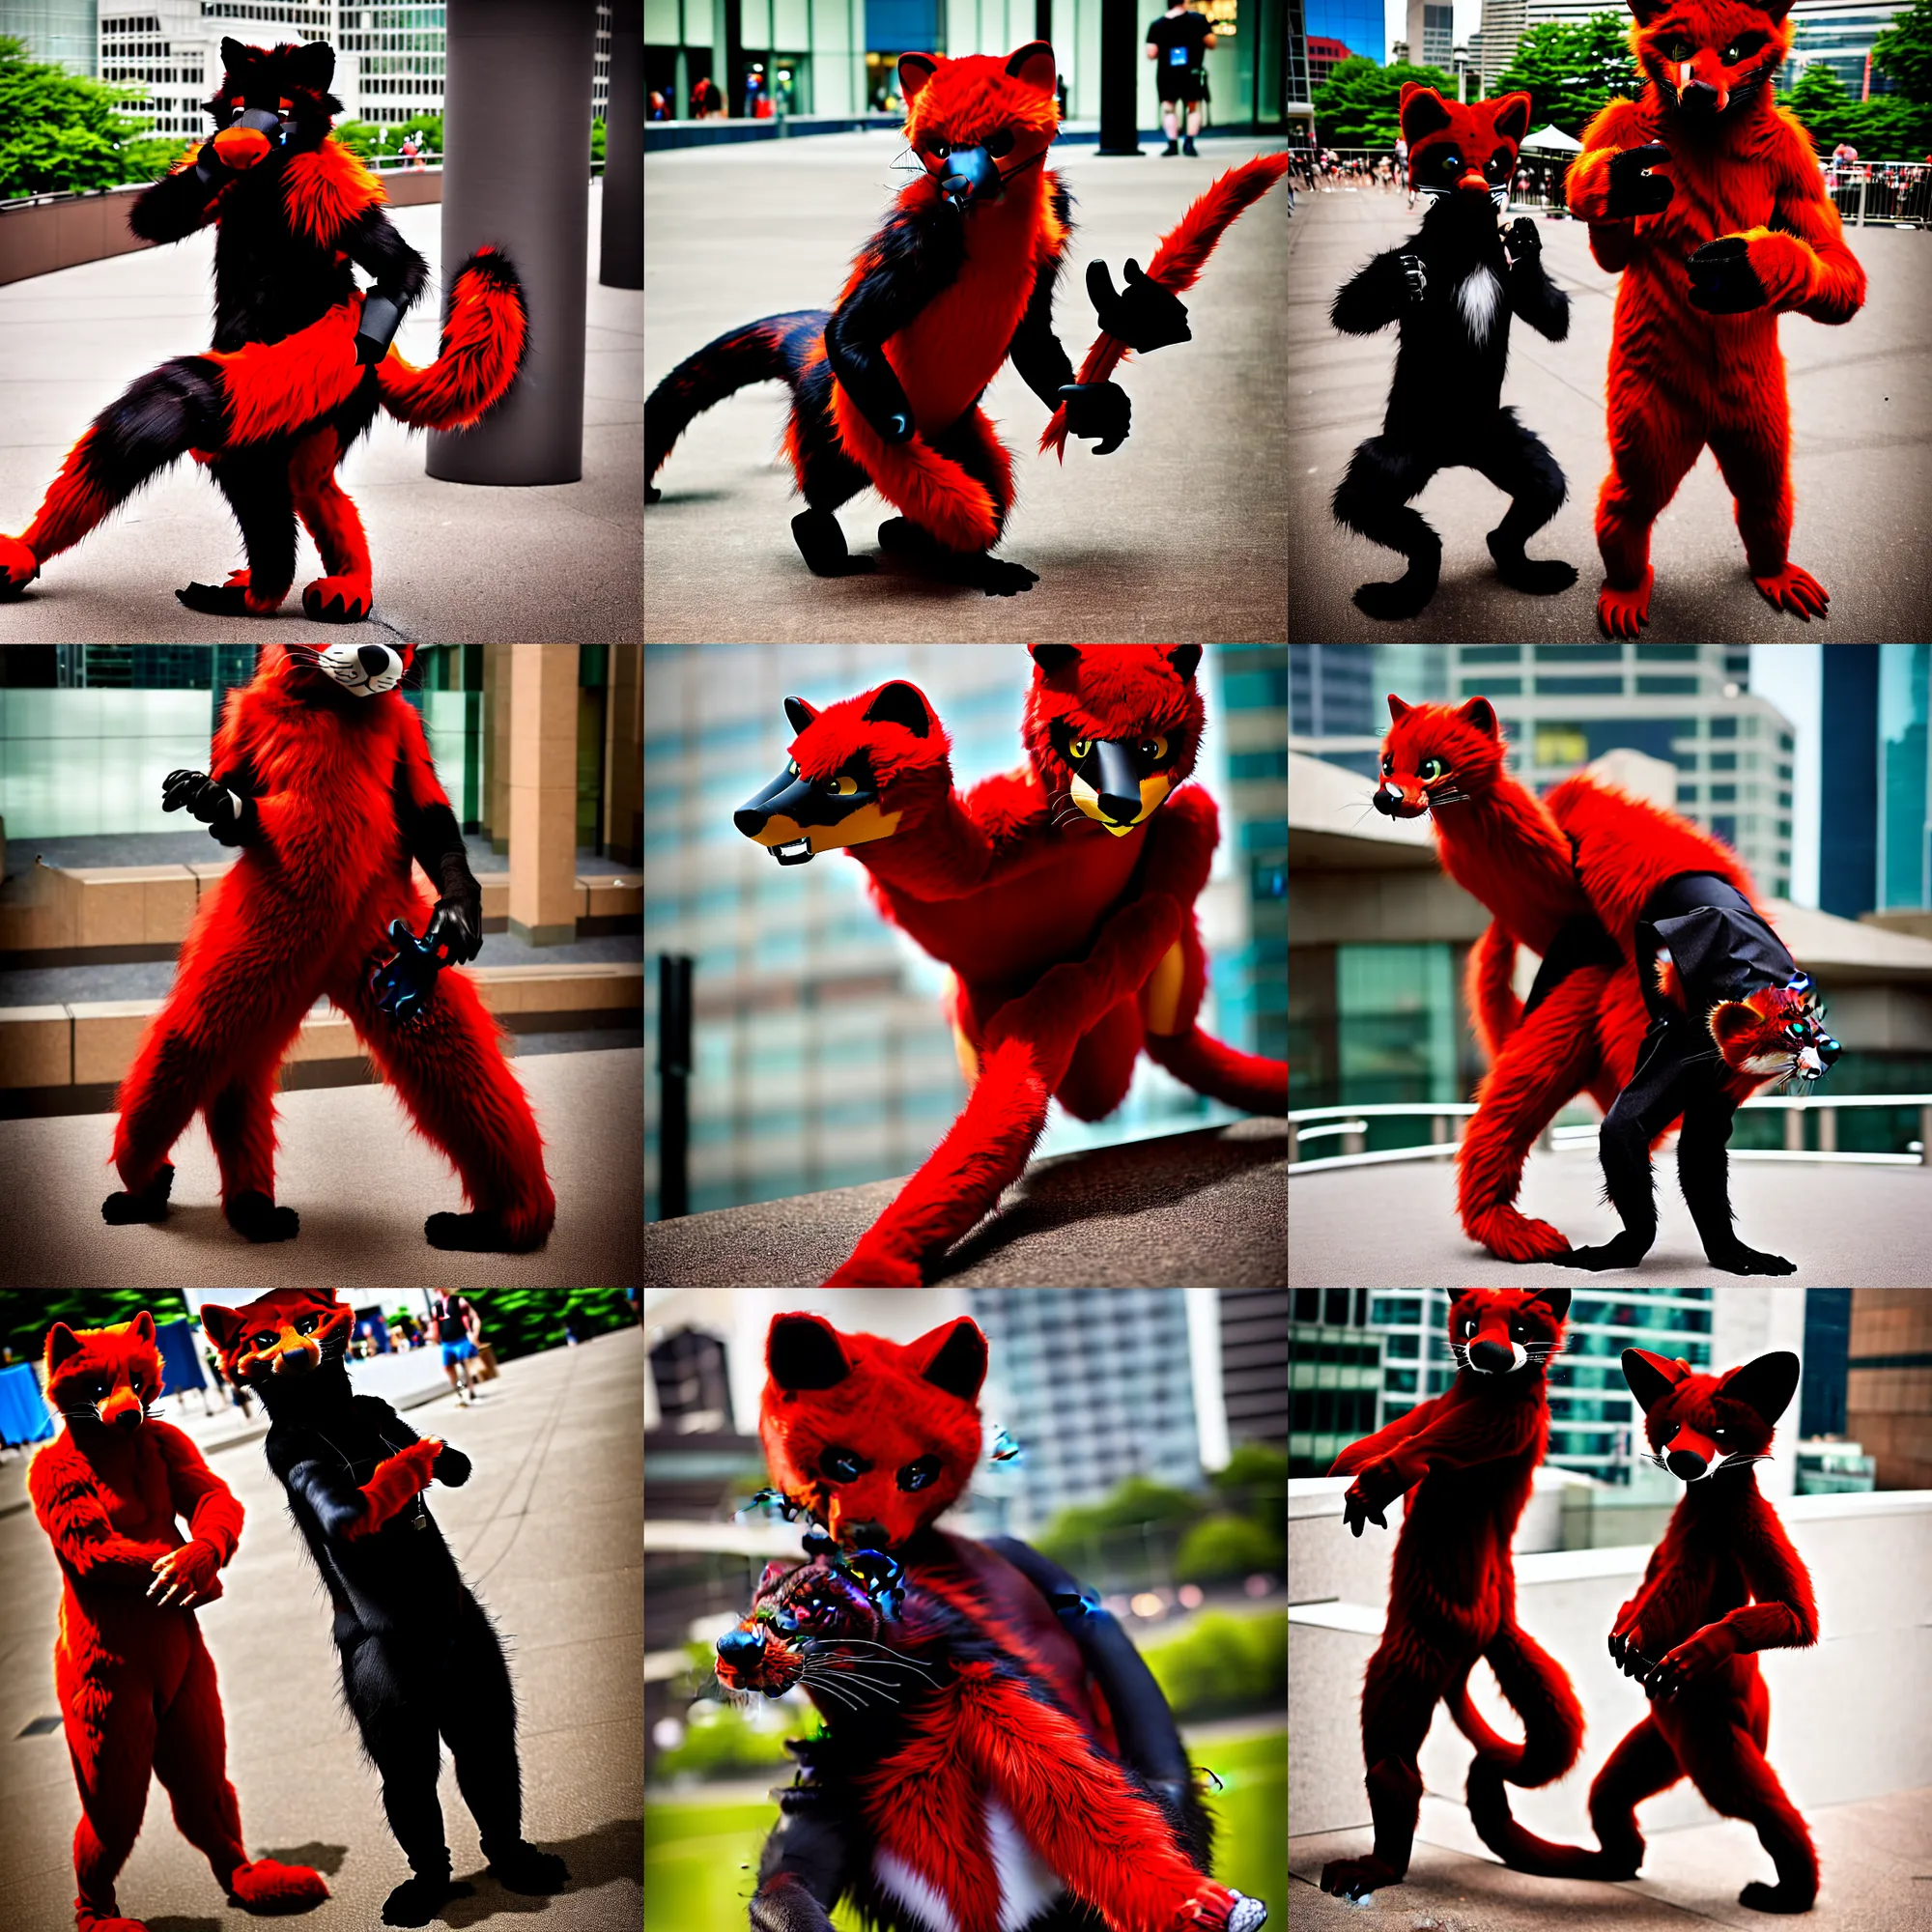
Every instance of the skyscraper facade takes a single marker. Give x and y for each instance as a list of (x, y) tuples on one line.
[(1848, 788), (1905, 778), (60, 31)]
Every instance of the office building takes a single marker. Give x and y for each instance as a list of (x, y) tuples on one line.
[(1356, 24), (59, 31), (1334, 709), (1888, 1384), (1324, 56), (1254, 1362), (1847, 790), (1503, 26), (1298, 105), (1335, 1376), (1827, 1338), (1905, 778), (1840, 34), (1432, 34)]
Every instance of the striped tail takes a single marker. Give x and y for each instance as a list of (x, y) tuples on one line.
[(485, 328), (770, 350)]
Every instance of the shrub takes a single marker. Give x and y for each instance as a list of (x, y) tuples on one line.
[(1224, 1665), (1225, 1547)]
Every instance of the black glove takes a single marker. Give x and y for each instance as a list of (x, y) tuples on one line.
[(210, 167), (458, 920), (1100, 410), (1143, 315), (381, 319), (1633, 191), (229, 817), (1522, 238), (1722, 280), (1416, 279)]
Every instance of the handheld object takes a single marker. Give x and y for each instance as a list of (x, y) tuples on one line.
[(405, 983)]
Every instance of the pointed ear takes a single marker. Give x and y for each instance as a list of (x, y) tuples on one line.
[(1646, 11), (1556, 1300), (1421, 111), (235, 55), (1651, 1378), (1398, 710), (1766, 1384), (800, 713), (142, 1328), (61, 1342), (1481, 713), (915, 70), (1186, 659), (1511, 117), (1034, 65), (1053, 658), (802, 1352), (901, 703), (221, 1325), (958, 1364), (313, 65)]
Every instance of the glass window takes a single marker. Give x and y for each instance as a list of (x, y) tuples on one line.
[(1405, 1346), (1493, 686), (1667, 687), (1581, 687), (1492, 654), (1398, 1024), (1390, 1309), (1725, 726), (1723, 761), (1724, 794)]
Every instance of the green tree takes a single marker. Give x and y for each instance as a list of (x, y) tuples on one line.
[(26, 1314), (521, 1320), (1903, 52), (63, 133), (362, 138), (1355, 106), (1571, 69), (1821, 101), (1890, 126), (1223, 1663), (1226, 1546)]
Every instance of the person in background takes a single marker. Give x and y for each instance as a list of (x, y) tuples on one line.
[(1176, 43), (457, 1327)]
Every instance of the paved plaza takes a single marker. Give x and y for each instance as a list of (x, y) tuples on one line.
[(1178, 533), (1861, 458), (546, 1533), (454, 563)]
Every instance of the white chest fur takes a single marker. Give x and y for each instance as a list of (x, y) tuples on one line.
[(1480, 299), (1027, 1887)]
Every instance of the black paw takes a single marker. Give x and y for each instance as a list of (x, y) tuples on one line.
[(256, 1218), (527, 1869), (1722, 280), (336, 607), (418, 1900), (1618, 1254), (1391, 603), (1737, 1259), (473, 1235), (822, 545), (1634, 191), (1775, 1898), (219, 600), (998, 577), (121, 1211), (1534, 576), (1357, 1878), (652, 493)]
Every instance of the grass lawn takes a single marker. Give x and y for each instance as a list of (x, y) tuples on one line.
[(700, 1860)]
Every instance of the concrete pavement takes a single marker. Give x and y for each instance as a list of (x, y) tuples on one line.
[(1862, 461), (1178, 535), (454, 563), (1395, 1225), (362, 1183), (546, 1531)]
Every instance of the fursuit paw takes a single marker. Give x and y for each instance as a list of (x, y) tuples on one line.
[(1760, 1897), (1623, 613), (269, 1886), (18, 567), (1396, 603), (1357, 1878), (527, 1869), (122, 1210), (1533, 576), (1213, 1908), (1512, 1236), (481, 1233), (236, 598), (1796, 591), (994, 575), (875, 1268), (337, 599), (1725, 280), (418, 1900), (1737, 1259), (255, 1217), (652, 493), (822, 545), (85, 1921), (1625, 1252)]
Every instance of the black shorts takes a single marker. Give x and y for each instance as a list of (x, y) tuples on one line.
[(1184, 85)]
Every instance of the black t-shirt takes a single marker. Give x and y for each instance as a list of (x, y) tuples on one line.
[(450, 1318), (1179, 37)]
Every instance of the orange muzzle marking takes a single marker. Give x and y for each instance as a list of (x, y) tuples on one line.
[(241, 147)]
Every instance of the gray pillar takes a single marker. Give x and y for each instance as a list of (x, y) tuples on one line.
[(516, 174), (623, 238)]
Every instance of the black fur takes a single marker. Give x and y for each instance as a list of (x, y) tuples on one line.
[(1445, 404), (419, 1657)]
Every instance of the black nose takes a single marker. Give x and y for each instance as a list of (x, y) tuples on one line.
[(1828, 1049), (1684, 1465), (1492, 1357), (741, 1648), (1121, 811), (1699, 98), (1382, 801), (751, 823), (867, 1535), (128, 1418), (375, 658)]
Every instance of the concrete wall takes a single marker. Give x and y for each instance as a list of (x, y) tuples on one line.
[(1849, 1720)]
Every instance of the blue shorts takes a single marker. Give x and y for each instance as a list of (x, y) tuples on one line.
[(453, 1353)]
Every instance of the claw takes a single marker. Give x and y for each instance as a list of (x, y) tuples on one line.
[(1623, 613), (1795, 591)]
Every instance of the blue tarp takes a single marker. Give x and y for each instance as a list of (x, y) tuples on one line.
[(181, 1357), (24, 1414)]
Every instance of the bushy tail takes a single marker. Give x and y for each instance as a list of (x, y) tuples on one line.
[(1250, 1081), (1522, 1850), (485, 328), (1487, 989), (771, 348)]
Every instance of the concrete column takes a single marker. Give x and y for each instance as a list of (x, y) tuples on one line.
[(622, 249), (516, 174), (624, 754), (543, 793), (496, 744), (1121, 57)]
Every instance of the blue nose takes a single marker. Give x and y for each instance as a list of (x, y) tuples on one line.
[(741, 1648)]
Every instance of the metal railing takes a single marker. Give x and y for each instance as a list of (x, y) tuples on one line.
[(1352, 1124)]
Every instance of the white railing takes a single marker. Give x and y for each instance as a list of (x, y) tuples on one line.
[(1351, 1123)]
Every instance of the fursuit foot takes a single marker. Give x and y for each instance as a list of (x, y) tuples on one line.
[(1406, 597), (1355, 1878), (524, 1868), (822, 545), (418, 1900), (974, 569), (652, 493), (1623, 613), (86, 1922), (255, 1217), (1512, 1236), (122, 1210), (18, 567), (1803, 596), (1627, 1250), (1734, 1257), (337, 599), (236, 598), (875, 1268), (1758, 1896), (1533, 576), (268, 1886), (480, 1234)]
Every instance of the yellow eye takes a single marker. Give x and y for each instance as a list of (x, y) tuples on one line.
[(841, 787), (1154, 748), (792, 767), (1079, 748)]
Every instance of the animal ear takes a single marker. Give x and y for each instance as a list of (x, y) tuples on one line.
[(235, 55), (1646, 11), (1185, 660), (1034, 65), (313, 65), (142, 1328), (1053, 658), (799, 712), (802, 1352), (61, 1342), (1732, 1022), (958, 1364), (1481, 713), (1421, 111), (1398, 710), (915, 70), (222, 1325), (1555, 1299), (901, 703), (1511, 117), (1651, 1378), (1766, 1384)]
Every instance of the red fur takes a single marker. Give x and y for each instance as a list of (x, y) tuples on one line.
[(304, 915), (137, 1688), (1723, 1584), (483, 333), (72, 507), (325, 507), (1682, 378), (1467, 1455), (326, 189), (933, 490), (275, 389)]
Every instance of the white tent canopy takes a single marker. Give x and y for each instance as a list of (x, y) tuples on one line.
[(1553, 139)]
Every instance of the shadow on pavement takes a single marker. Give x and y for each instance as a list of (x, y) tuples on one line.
[(613, 1852), (183, 1924), (325, 1858)]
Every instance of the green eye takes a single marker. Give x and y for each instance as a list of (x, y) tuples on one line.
[(1431, 770)]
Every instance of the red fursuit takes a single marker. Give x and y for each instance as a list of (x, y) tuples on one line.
[(137, 1690), (1705, 170)]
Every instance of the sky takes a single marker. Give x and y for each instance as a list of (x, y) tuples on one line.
[(1789, 675)]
